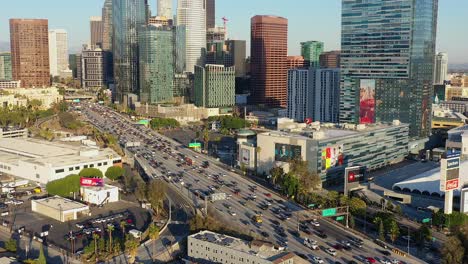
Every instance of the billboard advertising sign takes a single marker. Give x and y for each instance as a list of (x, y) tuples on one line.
[(245, 156), (464, 201), (367, 101), (332, 156), (94, 182), (286, 152), (450, 174), (354, 176)]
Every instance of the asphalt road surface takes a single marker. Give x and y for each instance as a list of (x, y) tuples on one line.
[(163, 156)]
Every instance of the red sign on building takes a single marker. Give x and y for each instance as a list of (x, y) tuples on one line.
[(92, 182), (451, 185)]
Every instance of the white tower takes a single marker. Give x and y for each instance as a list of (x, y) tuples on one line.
[(441, 68), (165, 8), (191, 14), (58, 51)]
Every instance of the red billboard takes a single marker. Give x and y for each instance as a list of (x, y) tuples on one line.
[(94, 182), (367, 101)]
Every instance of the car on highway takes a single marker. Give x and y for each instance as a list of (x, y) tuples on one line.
[(331, 251), (317, 260), (386, 252), (370, 260), (232, 213), (321, 234), (315, 223)]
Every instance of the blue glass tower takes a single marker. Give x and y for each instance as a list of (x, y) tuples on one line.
[(128, 16), (387, 61)]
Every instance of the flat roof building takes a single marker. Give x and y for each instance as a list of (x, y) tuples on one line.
[(330, 148), (100, 195), (59, 208), (210, 247), (43, 161)]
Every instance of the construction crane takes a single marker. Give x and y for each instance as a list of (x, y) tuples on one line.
[(225, 20)]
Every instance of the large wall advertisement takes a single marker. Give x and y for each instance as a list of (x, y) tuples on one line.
[(245, 156), (354, 176), (286, 152), (332, 156), (450, 174), (367, 101)]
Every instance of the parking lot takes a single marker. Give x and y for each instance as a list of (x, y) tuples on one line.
[(82, 229)]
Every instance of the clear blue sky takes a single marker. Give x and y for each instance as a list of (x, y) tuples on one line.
[(308, 20)]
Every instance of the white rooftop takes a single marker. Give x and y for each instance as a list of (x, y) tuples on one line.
[(429, 181), (100, 188), (44, 152), (60, 203)]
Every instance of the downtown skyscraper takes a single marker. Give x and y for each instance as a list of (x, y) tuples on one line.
[(387, 62), (58, 51), (164, 8), (127, 16), (441, 68), (269, 49), (191, 14)]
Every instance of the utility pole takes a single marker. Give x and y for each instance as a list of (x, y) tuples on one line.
[(347, 216), (409, 238), (170, 210)]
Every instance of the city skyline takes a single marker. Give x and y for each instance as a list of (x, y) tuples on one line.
[(77, 22)]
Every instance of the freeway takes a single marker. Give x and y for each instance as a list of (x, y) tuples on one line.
[(281, 219)]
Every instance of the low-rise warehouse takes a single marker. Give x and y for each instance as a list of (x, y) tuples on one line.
[(100, 195), (43, 161), (60, 209)]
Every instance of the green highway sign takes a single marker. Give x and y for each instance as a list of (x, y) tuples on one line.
[(339, 218), (195, 145), (426, 220), (329, 212), (311, 205)]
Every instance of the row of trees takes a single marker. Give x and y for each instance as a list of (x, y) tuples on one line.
[(68, 120), (23, 116), (164, 123), (70, 185), (455, 250), (229, 122)]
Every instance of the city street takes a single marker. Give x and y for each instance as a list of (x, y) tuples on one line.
[(162, 155)]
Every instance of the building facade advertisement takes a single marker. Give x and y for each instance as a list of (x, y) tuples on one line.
[(286, 152), (94, 182), (367, 101), (353, 177), (245, 156), (332, 156)]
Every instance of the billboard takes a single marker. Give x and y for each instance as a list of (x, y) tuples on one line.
[(245, 156), (286, 152), (332, 156), (367, 101), (450, 173), (94, 182), (353, 177), (464, 201)]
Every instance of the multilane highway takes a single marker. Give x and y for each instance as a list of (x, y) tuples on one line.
[(163, 158)]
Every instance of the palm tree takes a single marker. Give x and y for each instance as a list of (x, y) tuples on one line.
[(123, 224), (206, 138), (95, 237), (110, 228), (153, 232)]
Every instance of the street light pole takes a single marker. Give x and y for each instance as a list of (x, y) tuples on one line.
[(409, 238)]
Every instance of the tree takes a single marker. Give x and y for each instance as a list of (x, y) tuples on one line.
[(131, 246), (156, 193), (10, 245), (110, 229), (206, 138), (42, 258), (276, 174), (90, 173), (379, 222), (453, 251), (352, 222), (123, 224), (332, 198), (64, 187), (398, 209), (114, 172), (153, 232), (394, 231), (95, 238), (357, 206), (308, 181)]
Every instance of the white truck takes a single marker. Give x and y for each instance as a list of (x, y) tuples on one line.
[(312, 244), (218, 197)]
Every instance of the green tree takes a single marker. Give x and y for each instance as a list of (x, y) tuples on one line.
[(131, 246), (394, 231), (42, 258), (156, 193), (114, 172), (110, 229), (90, 173), (64, 187), (123, 225), (332, 198), (308, 181), (379, 222), (352, 222), (95, 238), (276, 174), (10, 245), (453, 251), (357, 206), (153, 232), (206, 138)]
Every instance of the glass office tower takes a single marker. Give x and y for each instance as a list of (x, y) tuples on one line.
[(128, 16), (387, 62), (156, 52)]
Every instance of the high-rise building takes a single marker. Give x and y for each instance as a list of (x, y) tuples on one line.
[(179, 48), (215, 34), (72, 64), (29, 40), (311, 51), (330, 59), (58, 51), (216, 53), (96, 28), (191, 14), (5, 66), (165, 9), (160, 20), (441, 68), (127, 16), (210, 14), (387, 62), (295, 62), (93, 67), (268, 51), (79, 68), (214, 86), (107, 32), (235, 50), (156, 52), (314, 93)]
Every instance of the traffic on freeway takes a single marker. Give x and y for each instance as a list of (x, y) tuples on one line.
[(237, 201)]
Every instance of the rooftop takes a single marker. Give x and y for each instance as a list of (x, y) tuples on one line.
[(261, 249), (99, 188), (61, 203), (42, 152)]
